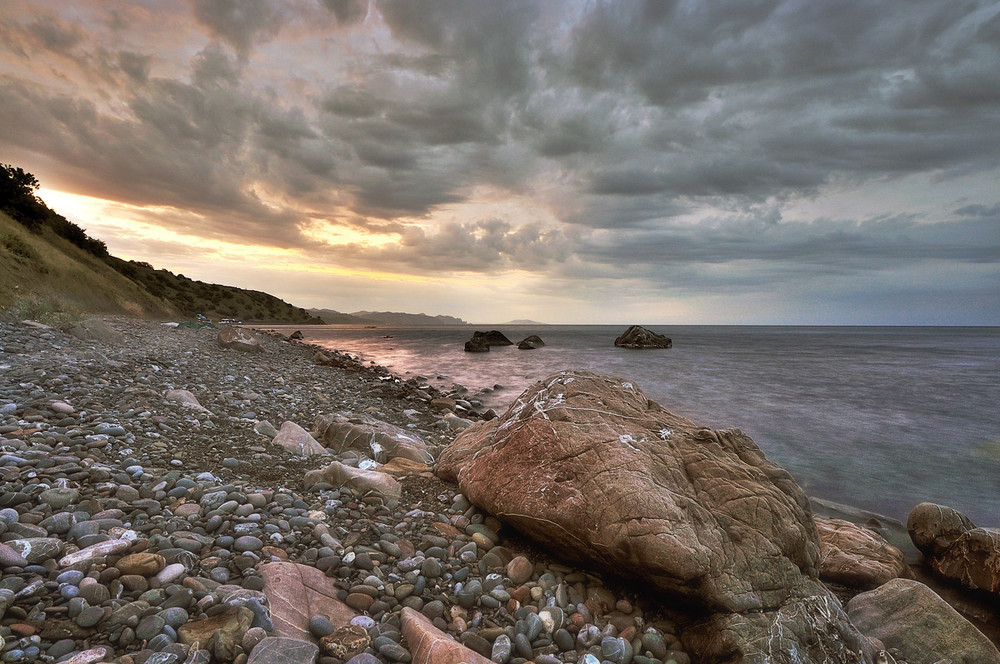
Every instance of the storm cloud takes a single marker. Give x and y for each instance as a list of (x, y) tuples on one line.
[(696, 148)]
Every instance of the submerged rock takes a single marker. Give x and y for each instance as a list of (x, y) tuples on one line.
[(477, 345), (493, 338), (531, 343), (639, 337)]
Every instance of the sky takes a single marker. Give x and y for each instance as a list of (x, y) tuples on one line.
[(662, 162)]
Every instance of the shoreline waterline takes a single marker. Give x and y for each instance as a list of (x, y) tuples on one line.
[(878, 418)]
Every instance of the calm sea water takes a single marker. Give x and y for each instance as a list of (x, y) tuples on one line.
[(879, 418)]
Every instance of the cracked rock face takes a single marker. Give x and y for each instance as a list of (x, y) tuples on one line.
[(586, 464), (590, 468)]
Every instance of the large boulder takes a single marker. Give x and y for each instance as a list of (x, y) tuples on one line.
[(297, 440), (376, 439), (587, 466), (93, 329), (493, 338), (531, 343), (857, 557), (639, 337), (477, 345), (933, 528), (955, 548), (913, 620), (360, 481), (239, 339), (973, 560)]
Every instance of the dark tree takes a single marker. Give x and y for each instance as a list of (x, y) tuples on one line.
[(17, 196)]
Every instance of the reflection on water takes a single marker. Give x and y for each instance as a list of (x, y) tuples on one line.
[(882, 418)]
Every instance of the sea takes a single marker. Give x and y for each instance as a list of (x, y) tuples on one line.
[(880, 418)]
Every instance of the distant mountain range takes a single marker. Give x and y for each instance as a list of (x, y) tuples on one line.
[(383, 318)]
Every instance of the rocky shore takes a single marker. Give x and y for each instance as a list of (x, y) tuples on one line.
[(146, 516), (173, 494)]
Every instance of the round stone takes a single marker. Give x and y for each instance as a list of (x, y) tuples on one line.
[(320, 626), (90, 616), (142, 564), (520, 569), (359, 601), (431, 568), (95, 593), (248, 543), (502, 649), (149, 627), (174, 616), (58, 498), (654, 643)]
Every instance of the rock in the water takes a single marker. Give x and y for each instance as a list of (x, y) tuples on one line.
[(637, 336), (296, 593), (477, 345), (912, 619), (606, 477), (531, 343), (429, 645), (493, 338), (360, 481), (239, 339), (297, 440), (856, 556), (282, 650), (379, 440)]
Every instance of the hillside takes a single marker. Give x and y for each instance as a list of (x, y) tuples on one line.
[(337, 318), (42, 274), (397, 318), (49, 266)]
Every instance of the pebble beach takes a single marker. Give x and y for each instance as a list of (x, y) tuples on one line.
[(143, 501)]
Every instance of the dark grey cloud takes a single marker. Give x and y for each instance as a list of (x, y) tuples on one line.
[(347, 11), (242, 23), (486, 245), (648, 134), (135, 65), (795, 250)]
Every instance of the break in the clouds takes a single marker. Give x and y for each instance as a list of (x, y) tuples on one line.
[(829, 162)]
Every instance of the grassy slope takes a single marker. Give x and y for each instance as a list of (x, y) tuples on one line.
[(213, 300), (45, 274)]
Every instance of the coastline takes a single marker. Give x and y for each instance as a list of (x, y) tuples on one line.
[(122, 432)]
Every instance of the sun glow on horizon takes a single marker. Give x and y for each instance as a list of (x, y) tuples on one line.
[(131, 232)]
